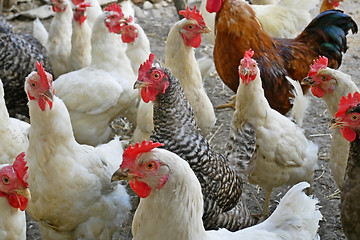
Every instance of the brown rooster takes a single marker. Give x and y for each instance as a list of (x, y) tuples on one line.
[(237, 29)]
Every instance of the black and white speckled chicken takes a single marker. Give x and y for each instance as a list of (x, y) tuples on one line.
[(18, 55), (175, 127)]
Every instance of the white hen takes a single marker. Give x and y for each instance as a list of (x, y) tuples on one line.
[(97, 94), (171, 205), (284, 156), (72, 196), (14, 195), (13, 133), (330, 85)]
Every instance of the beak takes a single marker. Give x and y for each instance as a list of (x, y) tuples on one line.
[(139, 84), (121, 175), (307, 81), (49, 94), (245, 71), (24, 192), (333, 124), (205, 30)]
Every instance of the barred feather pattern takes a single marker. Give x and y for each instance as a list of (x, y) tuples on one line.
[(18, 57), (175, 127), (240, 150)]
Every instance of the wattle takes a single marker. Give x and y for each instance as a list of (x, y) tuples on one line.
[(148, 94), (318, 92), (348, 134), (18, 201), (142, 189), (213, 5)]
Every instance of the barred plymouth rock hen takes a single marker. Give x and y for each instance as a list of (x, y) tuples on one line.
[(18, 55), (348, 120), (175, 127), (238, 29)]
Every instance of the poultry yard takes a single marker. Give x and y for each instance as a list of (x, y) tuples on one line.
[(156, 20)]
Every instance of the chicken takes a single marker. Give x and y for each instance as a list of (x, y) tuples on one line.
[(80, 55), (99, 93), (58, 43), (171, 193), (175, 127), (330, 85), (72, 196), (238, 29), (347, 119), (283, 156), (180, 59), (93, 12), (13, 133), (282, 19), (14, 197), (329, 4), (19, 52)]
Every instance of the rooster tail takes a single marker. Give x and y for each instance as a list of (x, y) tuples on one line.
[(331, 28), (300, 102), (40, 32), (241, 149), (296, 215)]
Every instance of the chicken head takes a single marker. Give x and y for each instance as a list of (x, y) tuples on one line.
[(39, 87), (128, 33), (80, 12), (13, 184), (347, 117), (143, 170), (317, 78), (115, 18), (59, 5), (193, 29), (248, 67), (151, 80)]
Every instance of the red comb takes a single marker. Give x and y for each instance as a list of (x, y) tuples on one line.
[(347, 103), (77, 2), (131, 152), (83, 6), (146, 66), (114, 8), (322, 62), (20, 168), (249, 54), (196, 15), (41, 73)]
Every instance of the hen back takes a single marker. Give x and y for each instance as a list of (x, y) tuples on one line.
[(175, 127), (238, 30), (18, 56)]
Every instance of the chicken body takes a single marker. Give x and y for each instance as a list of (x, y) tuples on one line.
[(58, 43), (347, 118), (175, 127), (12, 220), (80, 55), (180, 60), (178, 206), (72, 196), (13, 133), (19, 53), (238, 29), (337, 84), (281, 19), (97, 94), (284, 156)]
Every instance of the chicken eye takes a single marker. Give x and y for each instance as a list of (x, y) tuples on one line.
[(156, 75), (33, 84), (6, 180), (354, 117), (150, 165), (324, 78), (189, 27), (254, 65)]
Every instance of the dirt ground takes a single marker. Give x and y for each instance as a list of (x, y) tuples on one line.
[(156, 22)]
